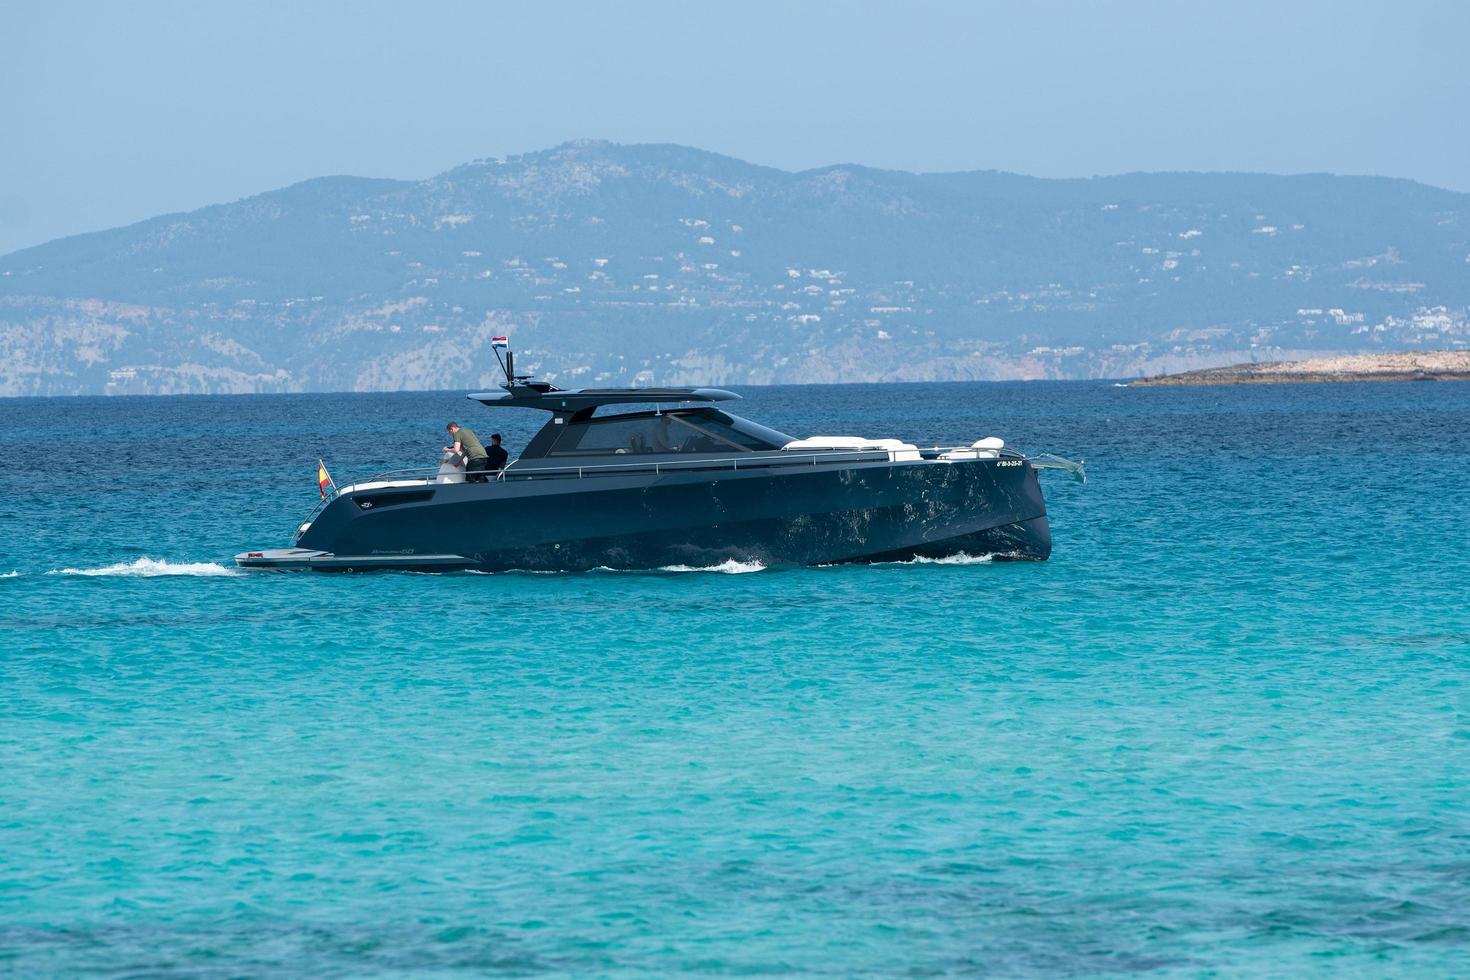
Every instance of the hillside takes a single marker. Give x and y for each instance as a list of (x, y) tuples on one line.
[(663, 264), (1401, 366)]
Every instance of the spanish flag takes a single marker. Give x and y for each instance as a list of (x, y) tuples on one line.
[(322, 479)]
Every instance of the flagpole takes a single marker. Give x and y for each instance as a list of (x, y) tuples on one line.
[(331, 482)]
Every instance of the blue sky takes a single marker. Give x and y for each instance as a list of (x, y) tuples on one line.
[(111, 113)]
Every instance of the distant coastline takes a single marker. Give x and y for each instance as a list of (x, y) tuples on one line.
[(1408, 366), (612, 265)]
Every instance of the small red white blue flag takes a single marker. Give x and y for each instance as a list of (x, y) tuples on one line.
[(499, 343)]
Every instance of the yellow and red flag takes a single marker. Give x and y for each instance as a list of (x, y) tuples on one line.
[(322, 479)]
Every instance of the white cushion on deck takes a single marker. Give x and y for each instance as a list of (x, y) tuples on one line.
[(829, 443), (898, 451)]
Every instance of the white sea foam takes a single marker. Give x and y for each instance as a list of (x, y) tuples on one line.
[(9, 574), (511, 571), (150, 568), (959, 559), (728, 567)]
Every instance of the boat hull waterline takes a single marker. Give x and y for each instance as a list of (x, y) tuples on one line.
[(639, 520)]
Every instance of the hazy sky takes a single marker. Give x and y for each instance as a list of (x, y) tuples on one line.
[(111, 112)]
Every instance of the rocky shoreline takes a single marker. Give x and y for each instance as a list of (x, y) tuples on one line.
[(1407, 366)]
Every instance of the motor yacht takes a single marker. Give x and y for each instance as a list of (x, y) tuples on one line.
[(647, 478)]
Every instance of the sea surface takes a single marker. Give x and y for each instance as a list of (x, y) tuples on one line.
[(1224, 731)]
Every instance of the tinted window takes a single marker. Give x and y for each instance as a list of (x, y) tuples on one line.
[(620, 435), (744, 431), (695, 432)]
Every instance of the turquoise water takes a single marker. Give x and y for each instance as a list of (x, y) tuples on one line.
[(1224, 731)]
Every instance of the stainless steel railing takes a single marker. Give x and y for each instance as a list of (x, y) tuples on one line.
[(776, 458)]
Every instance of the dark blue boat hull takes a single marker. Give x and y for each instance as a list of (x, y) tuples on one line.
[(773, 515)]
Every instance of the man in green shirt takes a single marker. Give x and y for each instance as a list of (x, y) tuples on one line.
[(468, 444)]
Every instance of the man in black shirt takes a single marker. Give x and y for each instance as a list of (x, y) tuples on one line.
[(498, 456)]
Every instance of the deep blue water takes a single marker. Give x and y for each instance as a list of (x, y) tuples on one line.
[(1224, 731)]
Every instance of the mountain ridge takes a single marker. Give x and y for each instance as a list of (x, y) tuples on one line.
[(657, 263)]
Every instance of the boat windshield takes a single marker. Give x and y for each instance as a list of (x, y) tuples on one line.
[(698, 431)]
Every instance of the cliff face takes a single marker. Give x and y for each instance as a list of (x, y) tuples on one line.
[(662, 264)]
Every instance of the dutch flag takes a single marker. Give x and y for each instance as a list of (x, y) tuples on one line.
[(499, 343)]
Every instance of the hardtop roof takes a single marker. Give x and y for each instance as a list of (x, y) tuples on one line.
[(551, 399)]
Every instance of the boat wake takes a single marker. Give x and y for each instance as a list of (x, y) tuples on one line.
[(959, 559), (151, 568), (727, 567), (508, 571)]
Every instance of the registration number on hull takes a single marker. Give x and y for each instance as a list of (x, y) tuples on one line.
[(1009, 462)]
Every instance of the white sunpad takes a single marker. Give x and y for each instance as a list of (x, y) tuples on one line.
[(897, 449)]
